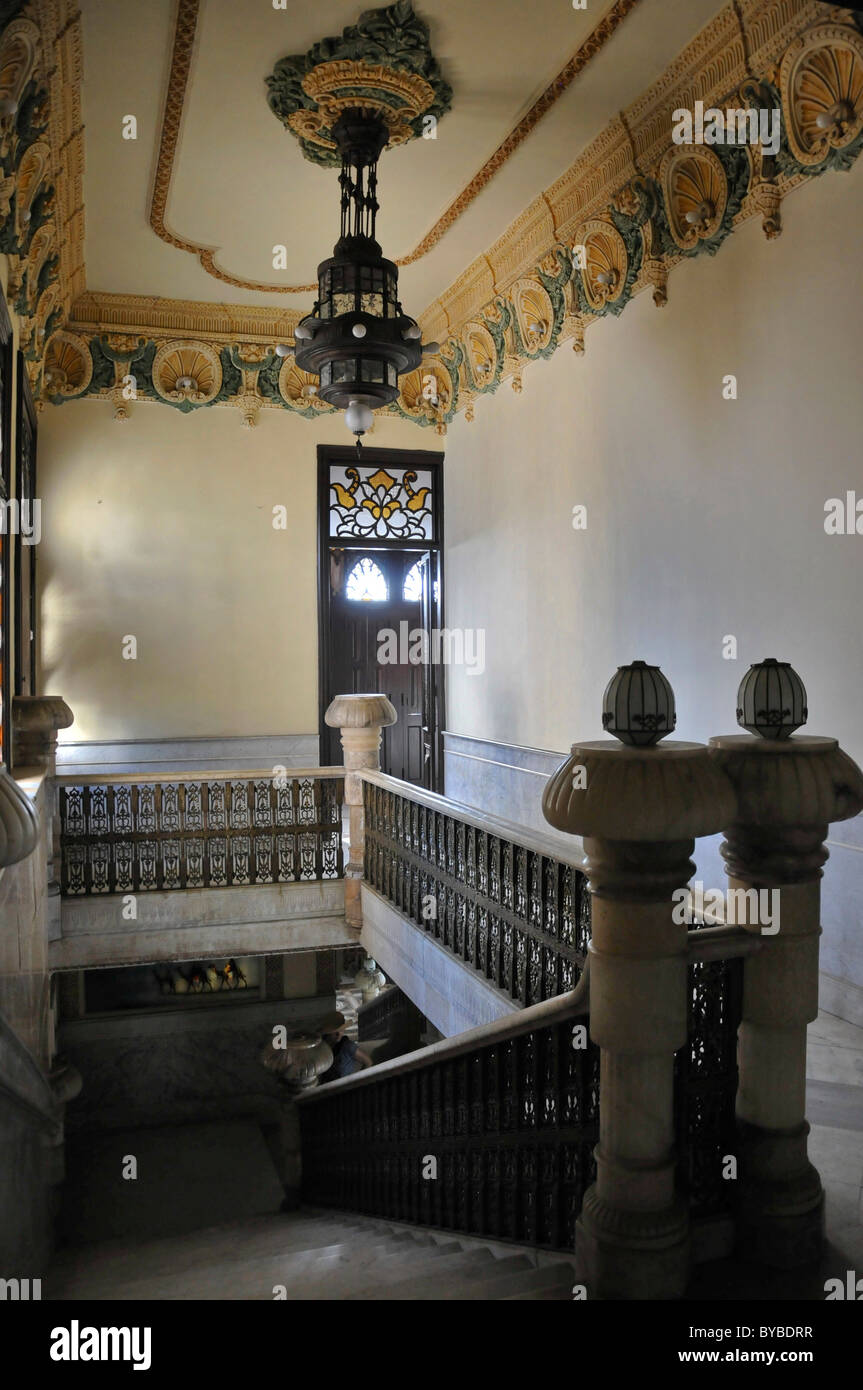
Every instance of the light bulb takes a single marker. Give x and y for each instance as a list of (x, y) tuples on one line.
[(358, 417), (282, 350), (412, 332), (359, 330)]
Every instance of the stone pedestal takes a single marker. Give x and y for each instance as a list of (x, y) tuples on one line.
[(360, 718), (639, 810), (788, 793)]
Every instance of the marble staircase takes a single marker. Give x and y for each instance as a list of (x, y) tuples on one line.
[(310, 1255)]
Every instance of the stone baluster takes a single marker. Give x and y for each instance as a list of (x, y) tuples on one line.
[(789, 790), (36, 720), (361, 719), (639, 808)]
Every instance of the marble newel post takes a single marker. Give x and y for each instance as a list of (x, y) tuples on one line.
[(361, 718), (789, 790), (639, 808), (36, 720)]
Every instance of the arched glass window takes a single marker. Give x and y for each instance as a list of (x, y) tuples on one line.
[(365, 583), (412, 590), (413, 585)]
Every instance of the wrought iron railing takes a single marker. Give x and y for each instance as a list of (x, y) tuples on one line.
[(491, 1133), (705, 1078), (215, 830), (510, 1114), (518, 915)]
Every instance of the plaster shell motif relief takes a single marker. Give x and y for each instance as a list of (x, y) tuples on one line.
[(821, 81), (534, 315), (695, 191), (187, 373), (422, 398), (18, 52), (606, 263), (68, 366), (480, 356)]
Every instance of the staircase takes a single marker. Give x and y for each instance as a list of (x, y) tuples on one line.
[(310, 1255)]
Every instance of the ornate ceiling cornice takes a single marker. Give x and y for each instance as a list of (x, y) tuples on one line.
[(41, 167), (184, 40), (634, 203)]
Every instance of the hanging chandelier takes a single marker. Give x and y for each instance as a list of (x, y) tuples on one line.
[(357, 340)]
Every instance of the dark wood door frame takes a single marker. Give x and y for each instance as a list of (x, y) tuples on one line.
[(346, 455)]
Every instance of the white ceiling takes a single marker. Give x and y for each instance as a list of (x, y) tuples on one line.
[(240, 183)]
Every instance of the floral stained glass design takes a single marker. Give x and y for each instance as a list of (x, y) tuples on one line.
[(374, 503), (365, 583)]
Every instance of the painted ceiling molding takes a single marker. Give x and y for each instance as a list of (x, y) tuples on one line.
[(285, 91), (613, 225), (41, 167)]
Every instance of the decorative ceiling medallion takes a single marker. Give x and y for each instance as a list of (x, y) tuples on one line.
[(696, 191), (605, 263), (335, 87), (384, 64), (187, 374), (821, 81)]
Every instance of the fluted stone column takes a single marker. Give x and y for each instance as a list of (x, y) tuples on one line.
[(639, 809), (789, 790), (361, 719), (36, 720)]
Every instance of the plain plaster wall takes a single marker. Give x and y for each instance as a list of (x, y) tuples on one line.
[(161, 527), (705, 515)]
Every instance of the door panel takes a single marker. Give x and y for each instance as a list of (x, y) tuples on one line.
[(365, 633)]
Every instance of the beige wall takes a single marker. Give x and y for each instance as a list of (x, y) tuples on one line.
[(161, 527), (705, 516)]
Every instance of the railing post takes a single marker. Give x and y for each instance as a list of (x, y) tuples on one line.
[(361, 718), (789, 790), (36, 720), (639, 808)]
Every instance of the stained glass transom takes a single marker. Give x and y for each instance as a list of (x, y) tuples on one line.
[(380, 503)]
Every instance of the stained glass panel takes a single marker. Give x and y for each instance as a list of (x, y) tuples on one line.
[(381, 503)]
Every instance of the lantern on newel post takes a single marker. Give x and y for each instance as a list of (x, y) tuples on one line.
[(638, 705), (771, 700)]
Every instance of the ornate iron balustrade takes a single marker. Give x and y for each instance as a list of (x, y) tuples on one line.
[(705, 1084), (136, 834), (511, 1114), (519, 916), (510, 1120)]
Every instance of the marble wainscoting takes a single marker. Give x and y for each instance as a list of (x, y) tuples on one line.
[(167, 755), (507, 780)]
